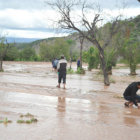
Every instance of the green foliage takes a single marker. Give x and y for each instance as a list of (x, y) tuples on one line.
[(112, 80), (26, 115), (111, 60), (80, 71), (20, 121), (75, 56), (91, 57), (1, 70), (12, 54), (69, 41), (27, 121), (5, 121), (28, 54), (25, 54), (3, 48), (54, 50), (70, 71), (131, 50), (32, 120)]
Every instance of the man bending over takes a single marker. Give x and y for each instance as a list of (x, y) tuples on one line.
[(131, 96)]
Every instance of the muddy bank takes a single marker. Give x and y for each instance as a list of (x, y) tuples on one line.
[(86, 110)]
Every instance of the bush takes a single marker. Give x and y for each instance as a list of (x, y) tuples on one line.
[(80, 71), (70, 71), (91, 57)]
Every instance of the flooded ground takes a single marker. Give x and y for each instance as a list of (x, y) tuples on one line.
[(86, 110)]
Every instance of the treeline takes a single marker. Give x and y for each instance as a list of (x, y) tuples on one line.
[(124, 47), (47, 51), (26, 54)]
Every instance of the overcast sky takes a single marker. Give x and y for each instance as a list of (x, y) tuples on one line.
[(31, 18)]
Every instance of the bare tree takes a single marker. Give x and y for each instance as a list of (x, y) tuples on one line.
[(81, 38), (4, 45), (86, 27)]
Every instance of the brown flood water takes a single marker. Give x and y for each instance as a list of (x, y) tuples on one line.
[(86, 110)]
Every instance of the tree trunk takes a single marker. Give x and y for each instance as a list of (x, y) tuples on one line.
[(70, 62), (109, 70), (103, 64), (81, 50), (1, 69), (81, 57), (133, 69)]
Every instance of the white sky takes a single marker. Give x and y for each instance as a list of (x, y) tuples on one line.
[(31, 18)]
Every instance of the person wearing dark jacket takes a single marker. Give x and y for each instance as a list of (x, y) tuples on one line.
[(130, 94), (62, 69)]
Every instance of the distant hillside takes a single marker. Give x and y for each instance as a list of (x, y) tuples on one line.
[(21, 40), (76, 46)]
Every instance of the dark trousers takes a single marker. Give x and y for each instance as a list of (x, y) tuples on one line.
[(129, 98), (62, 75)]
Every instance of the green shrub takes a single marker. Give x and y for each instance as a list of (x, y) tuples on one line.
[(70, 71), (20, 121), (80, 71), (5, 121)]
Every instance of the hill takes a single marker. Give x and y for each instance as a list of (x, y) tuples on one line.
[(74, 36), (21, 40)]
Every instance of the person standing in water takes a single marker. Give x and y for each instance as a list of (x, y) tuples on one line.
[(62, 70), (54, 63), (78, 63)]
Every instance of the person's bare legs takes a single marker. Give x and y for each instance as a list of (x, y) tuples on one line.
[(131, 104), (58, 85), (64, 86)]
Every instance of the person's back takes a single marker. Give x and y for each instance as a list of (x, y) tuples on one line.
[(62, 69), (131, 89), (62, 65), (55, 63)]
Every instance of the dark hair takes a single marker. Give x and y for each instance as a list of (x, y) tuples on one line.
[(138, 83), (62, 56)]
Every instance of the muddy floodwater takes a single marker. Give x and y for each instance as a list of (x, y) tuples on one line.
[(85, 110)]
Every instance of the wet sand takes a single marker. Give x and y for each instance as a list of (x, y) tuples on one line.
[(86, 110)]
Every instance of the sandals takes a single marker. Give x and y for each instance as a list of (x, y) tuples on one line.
[(126, 104)]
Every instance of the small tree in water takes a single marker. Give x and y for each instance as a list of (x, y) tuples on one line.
[(4, 45), (92, 58), (132, 54), (130, 50), (111, 59)]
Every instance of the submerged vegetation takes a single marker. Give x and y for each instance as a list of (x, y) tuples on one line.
[(26, 118), (5, 121), (78, 71)]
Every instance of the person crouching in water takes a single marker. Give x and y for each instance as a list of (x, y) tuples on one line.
[(62, 69), (131, 96)]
